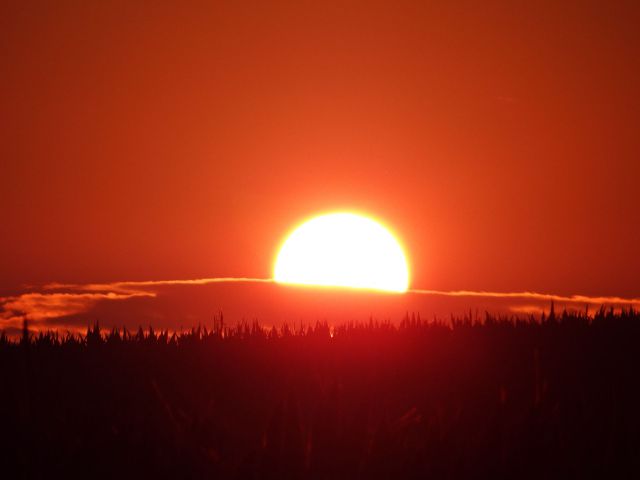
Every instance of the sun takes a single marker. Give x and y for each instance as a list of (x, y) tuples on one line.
[(343, 250)]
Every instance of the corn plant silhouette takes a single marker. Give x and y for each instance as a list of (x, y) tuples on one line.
[(470, 397)]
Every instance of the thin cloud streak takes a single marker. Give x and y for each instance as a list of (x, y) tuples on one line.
[(57, 300), (44, 306), (531, 295), (129, 285), (78, 298)]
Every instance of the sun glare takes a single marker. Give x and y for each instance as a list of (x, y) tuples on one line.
[(343, 250)]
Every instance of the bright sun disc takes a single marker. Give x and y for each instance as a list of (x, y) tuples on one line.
[(343, 250)]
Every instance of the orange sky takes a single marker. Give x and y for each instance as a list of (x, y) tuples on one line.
[(179, 141)]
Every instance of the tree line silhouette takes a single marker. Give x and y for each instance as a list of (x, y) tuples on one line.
[(471, 397)]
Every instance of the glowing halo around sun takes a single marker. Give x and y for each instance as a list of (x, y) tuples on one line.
[(343, 250)]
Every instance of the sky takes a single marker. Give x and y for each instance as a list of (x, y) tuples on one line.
[(183, 140)]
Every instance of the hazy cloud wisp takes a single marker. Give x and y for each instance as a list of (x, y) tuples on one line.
[(58, 300)]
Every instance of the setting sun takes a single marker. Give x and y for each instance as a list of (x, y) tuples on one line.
[(343, 250)]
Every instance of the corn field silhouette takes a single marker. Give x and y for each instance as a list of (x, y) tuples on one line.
[(472, 397)]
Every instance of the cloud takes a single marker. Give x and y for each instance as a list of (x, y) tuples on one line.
[(59, 300), (43, 306), (132, 286), (59, 304), (546, 297), (528, 309)]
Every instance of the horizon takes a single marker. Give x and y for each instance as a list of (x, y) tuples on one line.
[(75, 306)]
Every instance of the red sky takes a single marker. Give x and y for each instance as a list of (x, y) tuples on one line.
[(182, 140)]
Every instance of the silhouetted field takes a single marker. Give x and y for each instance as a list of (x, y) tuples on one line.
[(467, 398)]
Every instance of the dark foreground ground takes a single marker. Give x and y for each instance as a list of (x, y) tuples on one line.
[(469, 399)]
